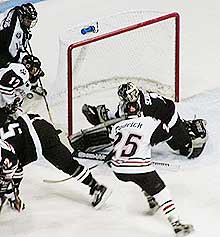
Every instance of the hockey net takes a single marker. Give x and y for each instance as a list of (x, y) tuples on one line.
[(137, 46)]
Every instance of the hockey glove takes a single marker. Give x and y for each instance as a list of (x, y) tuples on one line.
[(11, 108), (108, 158), (91, 114)]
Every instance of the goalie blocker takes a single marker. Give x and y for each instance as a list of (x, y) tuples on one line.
[(97, 138)]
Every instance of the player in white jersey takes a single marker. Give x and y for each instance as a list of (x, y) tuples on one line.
[(16, 81), (131, 162)]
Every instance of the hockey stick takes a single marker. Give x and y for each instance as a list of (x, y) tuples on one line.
[(101, 157), (46, 103), (70, 177), (96, 128), (44, 96)]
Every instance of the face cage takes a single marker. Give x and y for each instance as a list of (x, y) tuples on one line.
[(132, 95), (33, 71), (29, 23)]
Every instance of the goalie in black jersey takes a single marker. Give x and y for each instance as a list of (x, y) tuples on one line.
[(187, 137), (33, 137)]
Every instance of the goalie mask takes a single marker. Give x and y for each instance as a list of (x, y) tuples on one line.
[(28, 15), (128, 92)]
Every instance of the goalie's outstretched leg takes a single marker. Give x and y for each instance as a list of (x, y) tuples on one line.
[(188, 137)]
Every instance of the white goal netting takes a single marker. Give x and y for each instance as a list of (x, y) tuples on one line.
[(137, 46)]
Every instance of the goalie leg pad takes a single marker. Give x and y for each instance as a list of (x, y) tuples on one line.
[(196, 151), (180, 136), (199, 136), (87, 140)]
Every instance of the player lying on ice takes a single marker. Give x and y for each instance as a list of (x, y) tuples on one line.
[(188, 137), (31, 137), (130, 158)]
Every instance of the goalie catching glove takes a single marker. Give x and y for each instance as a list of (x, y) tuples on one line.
[(95, 115)]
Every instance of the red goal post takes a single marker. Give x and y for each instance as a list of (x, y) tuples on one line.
[(92, 39)]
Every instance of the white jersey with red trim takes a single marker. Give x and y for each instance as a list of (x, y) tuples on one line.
[(132, 149), (14, 84)]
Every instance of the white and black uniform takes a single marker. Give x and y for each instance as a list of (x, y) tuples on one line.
[(13, 38), (131, 159), (33, 137), (14, 85), (132, 145)]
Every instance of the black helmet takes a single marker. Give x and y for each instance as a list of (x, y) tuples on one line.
[(128, 92), (32, 64), (28, 15)]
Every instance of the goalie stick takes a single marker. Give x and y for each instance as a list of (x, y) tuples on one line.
[(96, 128), (101, 157)]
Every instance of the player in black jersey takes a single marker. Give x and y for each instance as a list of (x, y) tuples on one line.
[(187, 137), (15, 33), (33, 137)]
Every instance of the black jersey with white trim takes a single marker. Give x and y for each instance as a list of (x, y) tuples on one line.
[(13, 38), (157, 106)]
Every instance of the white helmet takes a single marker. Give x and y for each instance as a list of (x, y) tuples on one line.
[(128, 92)]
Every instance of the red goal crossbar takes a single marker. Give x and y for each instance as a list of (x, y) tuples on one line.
[(111, 34)]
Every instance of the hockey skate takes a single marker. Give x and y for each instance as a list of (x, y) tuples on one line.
[(17, 203), (100, 194), (153, 204), (3, 201), (182, 229)]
